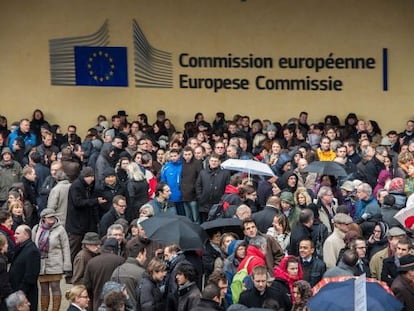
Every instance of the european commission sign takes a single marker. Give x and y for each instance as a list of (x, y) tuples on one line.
[(89, 61)]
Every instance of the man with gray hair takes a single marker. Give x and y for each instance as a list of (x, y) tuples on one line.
[(17, 301), (368, 212), (116, 231)]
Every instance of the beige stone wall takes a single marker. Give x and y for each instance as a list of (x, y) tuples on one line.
[(265, 28)]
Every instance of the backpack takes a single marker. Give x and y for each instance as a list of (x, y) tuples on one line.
[(215, 212), (237, 284), (218, 210)]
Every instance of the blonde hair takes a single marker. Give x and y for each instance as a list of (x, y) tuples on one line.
[(304, 192), (134, 172), (15, 204), (74, 292)]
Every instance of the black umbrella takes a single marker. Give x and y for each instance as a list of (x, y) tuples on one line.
[(326, 168), (225, 225), (169, 228)]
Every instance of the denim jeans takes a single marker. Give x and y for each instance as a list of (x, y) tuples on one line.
[(191, 211), (179, 207)]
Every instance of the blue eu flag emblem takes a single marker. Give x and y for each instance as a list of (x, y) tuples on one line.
[(101, 66)]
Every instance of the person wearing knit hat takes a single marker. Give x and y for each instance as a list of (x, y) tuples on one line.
[(396, 188), (82, 209), (10, 173), (291, 211), (87, 172)]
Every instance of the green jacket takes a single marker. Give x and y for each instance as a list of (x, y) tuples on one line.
[(9, 174)]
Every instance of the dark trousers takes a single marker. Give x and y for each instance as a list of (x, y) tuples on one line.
[(75, 244)]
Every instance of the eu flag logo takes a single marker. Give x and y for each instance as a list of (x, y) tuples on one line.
[(101, 66)]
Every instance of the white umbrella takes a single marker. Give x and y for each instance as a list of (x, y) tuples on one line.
[(405, 214), (248, 166)]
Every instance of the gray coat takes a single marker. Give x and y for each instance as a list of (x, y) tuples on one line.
[(58, 258), (129, 273), (58, 200)]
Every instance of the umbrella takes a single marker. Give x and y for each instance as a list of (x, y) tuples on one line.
[(338, 296), (326, 168), (225, 224), (248, 166), (169, 228), (405, 216)]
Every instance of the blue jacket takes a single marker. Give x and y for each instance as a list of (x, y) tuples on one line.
[(29, 138), (369, 206), (171, 174)]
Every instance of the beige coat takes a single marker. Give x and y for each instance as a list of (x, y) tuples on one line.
[(58, 259)]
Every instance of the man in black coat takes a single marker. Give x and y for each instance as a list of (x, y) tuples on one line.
[(313, 268), (256, 296), (82, 214), (301, 231), (210, 185), (110, 188), (389, 267), (117, 211), (210, 299), (264, 218), (375, 165), (25, 268), (99, 270)]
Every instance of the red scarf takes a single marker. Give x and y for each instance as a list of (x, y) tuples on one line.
[(281, 273), (8, 232)]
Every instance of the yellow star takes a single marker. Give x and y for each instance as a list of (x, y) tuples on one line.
[(106, 55), (111, 60), (100, 53), (111, 73), (90, 59), (89, 66), (101, 79), (94, 54), (107, 77), (91, 72), (95, 77)]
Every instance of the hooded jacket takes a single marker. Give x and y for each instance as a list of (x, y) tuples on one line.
[(171, 174), (58, 257)]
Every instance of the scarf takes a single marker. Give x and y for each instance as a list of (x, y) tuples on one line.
[(43, 242), (8, 232), (281, 273)]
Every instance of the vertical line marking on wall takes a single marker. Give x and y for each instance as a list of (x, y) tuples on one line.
[(385, 69)]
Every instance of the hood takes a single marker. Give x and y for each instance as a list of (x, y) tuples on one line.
[(233, 246), (281, 161), (231, 189), (106, 149), (383, 176), (281, 271), (111, 286)]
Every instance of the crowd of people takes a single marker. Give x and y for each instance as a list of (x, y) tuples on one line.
[(73, 208)]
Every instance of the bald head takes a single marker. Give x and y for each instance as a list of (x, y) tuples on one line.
[(22, 233), (273, 201)]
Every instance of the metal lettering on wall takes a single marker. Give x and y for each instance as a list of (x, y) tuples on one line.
[(72, 63)]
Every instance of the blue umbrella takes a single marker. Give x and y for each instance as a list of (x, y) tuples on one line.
[(339, 296)]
